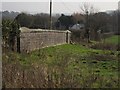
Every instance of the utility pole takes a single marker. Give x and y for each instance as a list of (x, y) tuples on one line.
[(87, 27), (50, 14)]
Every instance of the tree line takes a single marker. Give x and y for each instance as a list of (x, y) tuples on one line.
[(41, 20), (100, 20), (96, 20)]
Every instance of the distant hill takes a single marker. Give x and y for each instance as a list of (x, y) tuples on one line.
[(111, 12), (9, 15)]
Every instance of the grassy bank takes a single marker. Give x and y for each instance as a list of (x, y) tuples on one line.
[(62, 66)]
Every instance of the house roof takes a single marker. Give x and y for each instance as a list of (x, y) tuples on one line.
[(77, 27)]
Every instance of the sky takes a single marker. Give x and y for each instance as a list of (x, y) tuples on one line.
[(61, 6)]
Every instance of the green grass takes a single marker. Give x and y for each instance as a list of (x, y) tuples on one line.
[(84, 67), (114, 39)]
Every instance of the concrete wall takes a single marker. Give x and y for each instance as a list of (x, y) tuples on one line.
[(30, 41)]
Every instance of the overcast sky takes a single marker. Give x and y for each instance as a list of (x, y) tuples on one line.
[(58, 7)]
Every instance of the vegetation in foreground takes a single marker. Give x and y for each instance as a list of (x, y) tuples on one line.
[(63, 66)]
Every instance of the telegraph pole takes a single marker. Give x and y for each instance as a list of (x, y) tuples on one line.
[(50, 14), (87, 27)]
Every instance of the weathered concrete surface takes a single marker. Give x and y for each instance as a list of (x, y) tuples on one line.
[(34, 39)]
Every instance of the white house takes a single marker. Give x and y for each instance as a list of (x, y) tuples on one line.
[(77, 27)]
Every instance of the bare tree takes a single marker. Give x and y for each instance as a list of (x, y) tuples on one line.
[(87, 10)]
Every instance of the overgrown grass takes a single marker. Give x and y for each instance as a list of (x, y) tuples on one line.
[(114, 39), (70, 66), (111, 43)]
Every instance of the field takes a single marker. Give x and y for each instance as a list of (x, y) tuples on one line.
[(63, 66), (111, 43), (114, 39)]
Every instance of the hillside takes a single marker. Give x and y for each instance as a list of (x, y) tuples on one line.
[(62, 66)]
